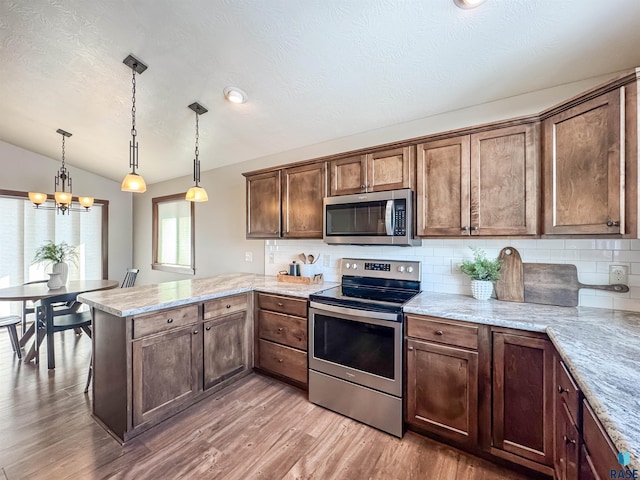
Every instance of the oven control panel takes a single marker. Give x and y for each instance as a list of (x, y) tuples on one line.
[(391, 269)]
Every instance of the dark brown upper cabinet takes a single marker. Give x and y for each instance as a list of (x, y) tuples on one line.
[(303, 192), (263, 205), (389, 169), (480, 184)]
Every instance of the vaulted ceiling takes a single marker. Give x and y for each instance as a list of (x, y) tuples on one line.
[(314, 70)]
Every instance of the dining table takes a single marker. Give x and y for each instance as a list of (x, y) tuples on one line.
[(39, 291)]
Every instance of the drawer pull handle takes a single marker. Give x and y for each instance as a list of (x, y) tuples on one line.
[(228, 306), (208, 328), (562, 390), (439, 332), (569, 441), (614, 223), (195, 332), (170, 320), (410, 349), (280, 304), (280, 360), (280, 329)]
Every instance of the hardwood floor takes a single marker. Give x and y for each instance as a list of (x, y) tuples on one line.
[(256, 429)]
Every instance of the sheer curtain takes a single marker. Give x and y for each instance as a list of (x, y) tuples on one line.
[(23, 229)]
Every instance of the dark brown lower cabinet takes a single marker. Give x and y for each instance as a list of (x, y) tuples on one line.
[(225, 348), (165, 372), (568, 443), (522, 420), (587, 469), (442, 390)]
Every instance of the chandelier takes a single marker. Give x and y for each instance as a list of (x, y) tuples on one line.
[(197, 193), (62, 196)]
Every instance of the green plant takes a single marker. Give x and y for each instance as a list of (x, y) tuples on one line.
[(481, 268), (56, 253)]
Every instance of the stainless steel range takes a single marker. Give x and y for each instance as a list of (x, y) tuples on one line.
[(356, 340)]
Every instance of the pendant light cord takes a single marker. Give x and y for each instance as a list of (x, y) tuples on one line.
[(196, 162), (133, 146)]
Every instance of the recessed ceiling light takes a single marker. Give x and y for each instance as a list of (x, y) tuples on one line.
[(468, 3), (235, 95)]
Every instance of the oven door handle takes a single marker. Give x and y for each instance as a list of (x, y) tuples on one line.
[(389, 217), (355, 312)]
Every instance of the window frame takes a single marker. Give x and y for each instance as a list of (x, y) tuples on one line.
[(155, 264), (105, 223)]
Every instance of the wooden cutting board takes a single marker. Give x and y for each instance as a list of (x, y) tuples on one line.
[(555, 284), (510, 285)]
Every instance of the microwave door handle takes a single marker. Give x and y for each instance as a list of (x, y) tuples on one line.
[(389, 218)]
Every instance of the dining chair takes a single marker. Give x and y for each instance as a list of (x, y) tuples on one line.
[(52, 318), (10, 322), (129, 281), (28, 307)]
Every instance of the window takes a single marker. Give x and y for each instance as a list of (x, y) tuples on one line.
[(173, 234), (24, 229)]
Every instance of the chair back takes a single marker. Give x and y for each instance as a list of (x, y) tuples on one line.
[(130, 277), (68, 299)]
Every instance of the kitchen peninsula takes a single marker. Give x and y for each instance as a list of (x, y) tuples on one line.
[(132, 326)]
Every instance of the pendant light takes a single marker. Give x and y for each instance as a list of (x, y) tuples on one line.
[(197, 193), (62, 187), (133, 182)]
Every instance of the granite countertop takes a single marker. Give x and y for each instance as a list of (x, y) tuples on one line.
[(126, 302), (600, 347)]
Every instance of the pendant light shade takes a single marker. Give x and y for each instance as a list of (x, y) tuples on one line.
[(37, 198), (197, 193), (133, 182)]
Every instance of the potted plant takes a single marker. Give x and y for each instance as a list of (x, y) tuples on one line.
[(57, 255), (483, 272)]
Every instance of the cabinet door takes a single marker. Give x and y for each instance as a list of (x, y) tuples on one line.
[(583, 169), (390, 169), (522, 421), (303, 192), (443, 187), (567, 443), (263, 205), (504, 181), (348, 175), (442, 390), (587, 469), (165, 373), (225, 348)]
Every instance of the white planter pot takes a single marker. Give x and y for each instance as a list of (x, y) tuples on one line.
[(54, 281), (62, 269), (481, 289)]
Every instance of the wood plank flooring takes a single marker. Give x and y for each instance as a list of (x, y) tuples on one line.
[(256, 429)]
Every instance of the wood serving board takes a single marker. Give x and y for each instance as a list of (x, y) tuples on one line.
[(318, 278), (510, 285), (556, 284)]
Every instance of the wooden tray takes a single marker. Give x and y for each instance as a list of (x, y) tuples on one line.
[(318, 278)]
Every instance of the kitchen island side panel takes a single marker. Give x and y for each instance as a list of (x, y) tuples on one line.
[(110, 403)]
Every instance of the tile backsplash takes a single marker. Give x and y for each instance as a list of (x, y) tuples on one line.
[(440, 259)]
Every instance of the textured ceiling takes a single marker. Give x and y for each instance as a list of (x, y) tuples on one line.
[(314, 70)]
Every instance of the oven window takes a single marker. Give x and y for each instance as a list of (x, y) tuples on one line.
[(356, 345)]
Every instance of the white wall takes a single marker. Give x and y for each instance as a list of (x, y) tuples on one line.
[(220, 222), (26, 171)]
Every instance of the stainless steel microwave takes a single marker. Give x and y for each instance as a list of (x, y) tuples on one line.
[(379, 218)]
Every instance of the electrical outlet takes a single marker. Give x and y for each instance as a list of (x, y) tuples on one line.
[(618, 274), (455, 267), (248, 256), (326, 260), (272, 258)]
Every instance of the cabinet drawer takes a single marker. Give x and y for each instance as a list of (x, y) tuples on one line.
[(442, 331), (288, 305), (224, 306), (567, 390), (601, 451), (285, 361), (166, 320), (284, 329)]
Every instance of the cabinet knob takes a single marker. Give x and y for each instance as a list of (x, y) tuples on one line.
[(569, 441), (363, 186), (169, 320), (465, 228), (439, 332), (613, 223), (195, 332), (562, 390), (207, 328), (280, 360), (410, 349), (280, 329), (228, 306), (280, 304), (475, 228)]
